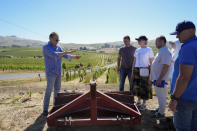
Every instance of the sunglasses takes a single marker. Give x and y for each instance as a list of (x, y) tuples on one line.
[(56, 40)]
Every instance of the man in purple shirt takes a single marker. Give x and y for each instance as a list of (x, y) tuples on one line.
[(125, 62), (53, 54)]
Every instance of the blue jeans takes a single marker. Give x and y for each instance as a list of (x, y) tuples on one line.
[(123, 74), (186, 117), (53, 81)]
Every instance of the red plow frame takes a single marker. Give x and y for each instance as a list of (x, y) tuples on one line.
[(94, 108)]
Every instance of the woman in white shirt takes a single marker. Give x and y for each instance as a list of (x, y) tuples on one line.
[(143, 58)]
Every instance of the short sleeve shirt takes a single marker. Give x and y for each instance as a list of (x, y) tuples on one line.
[(187, 56), (163, 57), (143, 56), (127, 54)]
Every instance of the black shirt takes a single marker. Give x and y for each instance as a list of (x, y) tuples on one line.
[(127, 54)]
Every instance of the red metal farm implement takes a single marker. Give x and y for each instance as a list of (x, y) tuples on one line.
[(94, 108)]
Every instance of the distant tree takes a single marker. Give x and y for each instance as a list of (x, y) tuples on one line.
[(70, 75), (39, 77), (64, 67), (94, 76), (106, 45), (77, 66), (84, 72), (107, 78), (67, 76), (83, 48), (81, 65), (89, 65)]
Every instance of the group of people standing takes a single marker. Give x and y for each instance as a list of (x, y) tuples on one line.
[(145, 70)]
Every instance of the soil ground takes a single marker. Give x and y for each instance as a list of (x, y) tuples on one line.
[(21, 106)]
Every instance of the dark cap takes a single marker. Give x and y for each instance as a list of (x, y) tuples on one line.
[(141, 38), (171, 42), (183, 26)]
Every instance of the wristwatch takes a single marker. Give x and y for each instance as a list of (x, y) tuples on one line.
[(173, 97)]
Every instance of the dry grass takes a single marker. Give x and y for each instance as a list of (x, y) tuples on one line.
[(16, 115)]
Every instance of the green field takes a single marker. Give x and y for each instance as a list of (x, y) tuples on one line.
[(31, 59), (21, 52), (155, 50)]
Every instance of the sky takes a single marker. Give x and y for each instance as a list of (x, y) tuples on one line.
[(94, 21)]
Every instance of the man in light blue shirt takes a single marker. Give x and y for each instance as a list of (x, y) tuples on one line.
[(184, 80), (53, 54)]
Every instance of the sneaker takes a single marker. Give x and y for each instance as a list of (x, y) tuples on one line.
[(154, 111), (143, 107), (158, 116), (138, 104), (45, 113)]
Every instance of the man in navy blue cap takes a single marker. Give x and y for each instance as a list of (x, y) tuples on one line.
[(184, 80)]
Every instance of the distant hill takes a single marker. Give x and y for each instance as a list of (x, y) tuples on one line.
[(116, 44), (14, 41), (93, 46)]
